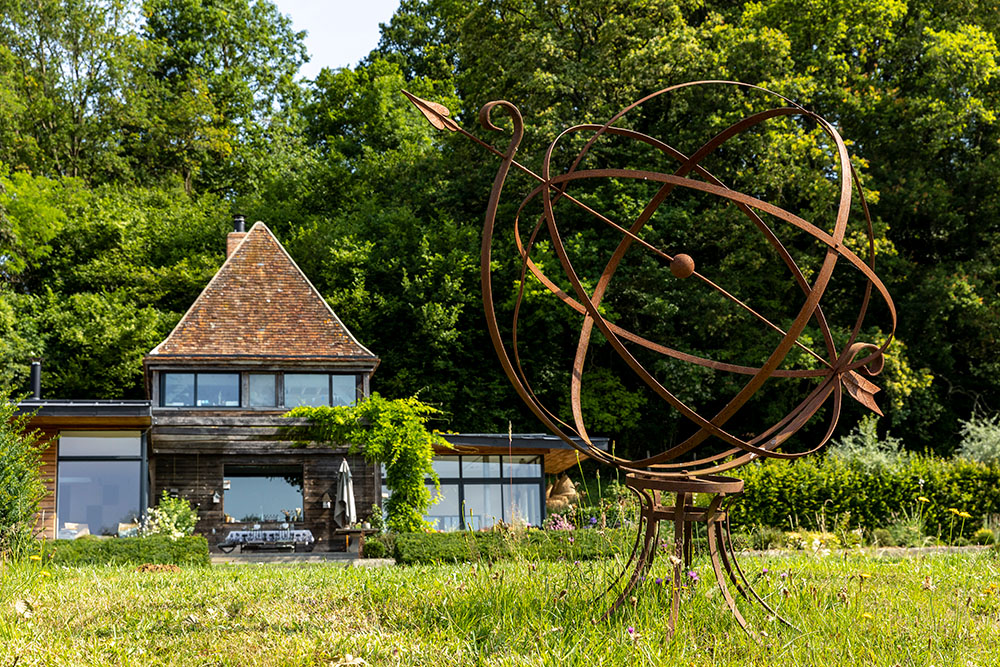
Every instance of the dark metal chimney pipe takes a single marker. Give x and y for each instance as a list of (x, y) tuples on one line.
[(239, 223), (36, 380)]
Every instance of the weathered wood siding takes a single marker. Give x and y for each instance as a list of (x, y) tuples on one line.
[(189, 452), (46, 523)]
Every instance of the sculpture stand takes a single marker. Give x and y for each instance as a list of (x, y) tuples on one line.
[(651, 490)]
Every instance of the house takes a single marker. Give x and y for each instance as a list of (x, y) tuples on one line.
[(258, 341)]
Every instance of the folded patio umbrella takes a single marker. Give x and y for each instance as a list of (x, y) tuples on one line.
[(345, 514)]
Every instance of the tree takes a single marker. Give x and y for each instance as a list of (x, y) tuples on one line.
[(21, 486)]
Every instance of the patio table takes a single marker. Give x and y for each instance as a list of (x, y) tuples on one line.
[(264, 539)]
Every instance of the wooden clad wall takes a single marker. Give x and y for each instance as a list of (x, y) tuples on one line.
[(46, 523), (190, 452)]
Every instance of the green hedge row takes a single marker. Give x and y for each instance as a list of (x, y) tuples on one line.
[(131, 551), (534, 545), (779, 493)]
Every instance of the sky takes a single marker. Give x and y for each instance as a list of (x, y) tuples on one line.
[(340, 32)]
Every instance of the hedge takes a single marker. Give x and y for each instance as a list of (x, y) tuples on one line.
[(90, 550), (780, 493), (534, 545)]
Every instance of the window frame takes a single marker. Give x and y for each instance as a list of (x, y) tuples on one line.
[(141, 459), (243, 387), (503, 481)]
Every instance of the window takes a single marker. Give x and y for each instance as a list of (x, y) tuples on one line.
[(263, 493), (307, 389), (200, 389), (178, 389), (218, 390), (478, 491), (263, 390), (99, 483), (314, 389)]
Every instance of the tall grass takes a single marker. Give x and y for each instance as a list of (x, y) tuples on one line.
[(851, 609)]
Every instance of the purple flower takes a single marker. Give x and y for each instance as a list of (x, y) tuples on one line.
[(571, 540), (659, 581), (784, 575), (764, 571), (631, 631), (593, 520), (694, 576), (576, 562)]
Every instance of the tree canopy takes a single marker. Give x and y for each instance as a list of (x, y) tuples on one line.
[(130, 131)]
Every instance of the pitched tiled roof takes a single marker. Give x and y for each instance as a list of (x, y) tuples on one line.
[(261, 306)]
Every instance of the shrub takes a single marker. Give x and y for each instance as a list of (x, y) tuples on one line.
[(91, 550), (883, 538), (981, 440), (21, 486), (780, 493), (983, 536), (413, 548), (172, 517), (863, 447), (374, 548)]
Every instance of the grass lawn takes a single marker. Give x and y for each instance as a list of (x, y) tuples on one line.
[(852, 609)]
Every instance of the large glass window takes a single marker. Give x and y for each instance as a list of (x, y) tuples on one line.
[(479, 491), (218, 389), (178, 389), (344, 388), (263, 390), (99, 486), (200, 389), (263, 493), (312, 389), (447, 513)]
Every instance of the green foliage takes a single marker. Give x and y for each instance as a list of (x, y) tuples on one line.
[(21, 486), (173, 518), (984, 536), (801, 492), (91, 550), (374, 548), (981, 439), (532, 545), (391, 432), (863, 447)]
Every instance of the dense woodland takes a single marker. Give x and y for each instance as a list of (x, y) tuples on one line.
[(131, 131)]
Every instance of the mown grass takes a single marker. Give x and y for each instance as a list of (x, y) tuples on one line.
[(853, 609)]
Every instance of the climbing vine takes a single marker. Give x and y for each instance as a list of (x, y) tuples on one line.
[(391, 432)]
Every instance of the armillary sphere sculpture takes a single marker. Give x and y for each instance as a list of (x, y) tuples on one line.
[(665, 482)]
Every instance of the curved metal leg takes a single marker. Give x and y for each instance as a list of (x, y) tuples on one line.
[(643, 563), (713, 551), (728, 545), (635, 547), (680, 530)]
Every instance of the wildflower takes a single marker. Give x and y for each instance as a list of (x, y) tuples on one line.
[(868, 616), (34, 557), (694, 576), (593, 520), (923, 499), (659, 581), (764, 571), (571, 540), (953, 510), (631, 632), (576, 562), (784, 575), (864, 575), (964, 515)]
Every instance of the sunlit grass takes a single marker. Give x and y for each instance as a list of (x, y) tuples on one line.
[(852, 609)]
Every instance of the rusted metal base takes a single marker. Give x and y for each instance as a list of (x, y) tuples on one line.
[(653, 492)]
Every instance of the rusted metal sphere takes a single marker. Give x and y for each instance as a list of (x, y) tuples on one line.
[(682, 266)]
